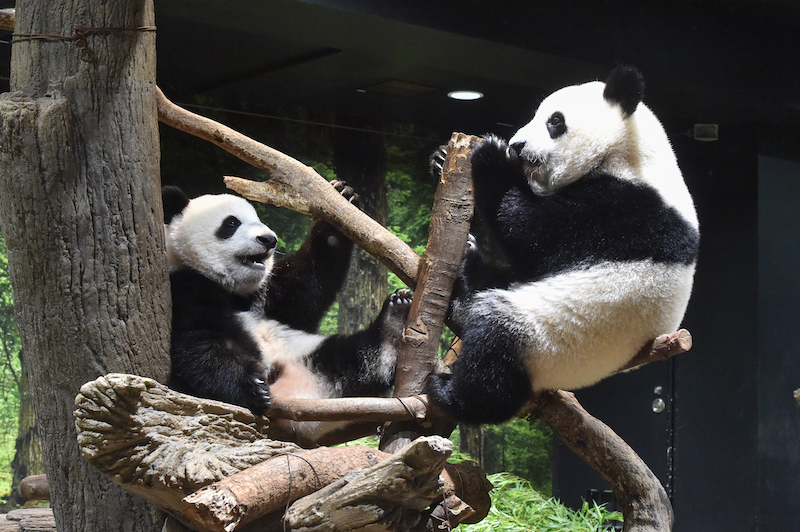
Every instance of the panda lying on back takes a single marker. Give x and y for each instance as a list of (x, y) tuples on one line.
[(243, 330), (589, 207)]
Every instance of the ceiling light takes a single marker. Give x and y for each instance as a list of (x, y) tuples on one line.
[(465, 95)]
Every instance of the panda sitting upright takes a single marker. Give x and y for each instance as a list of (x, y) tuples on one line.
[(243, 330), (600, 236)]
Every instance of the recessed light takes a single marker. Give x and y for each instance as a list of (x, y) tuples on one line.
[(465, 95)]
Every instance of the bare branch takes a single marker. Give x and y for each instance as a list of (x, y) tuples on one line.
[(645, 505), (447, 237), (662, 348), (351, 409), (449, 228), (271, 485)]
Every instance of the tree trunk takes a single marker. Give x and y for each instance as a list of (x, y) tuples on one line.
[(80, 210), (472, 441), (28, 459), (360, 159)]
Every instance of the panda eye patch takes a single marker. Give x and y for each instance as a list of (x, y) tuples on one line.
[(556, 125), (228, 227)]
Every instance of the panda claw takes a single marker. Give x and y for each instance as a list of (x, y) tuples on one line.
[(436, 162), (347, 192)]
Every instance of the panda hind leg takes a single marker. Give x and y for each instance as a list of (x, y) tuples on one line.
[(488, 384), (363, 363)]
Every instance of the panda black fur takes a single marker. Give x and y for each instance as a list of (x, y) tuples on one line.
[(600, 236), (243, 328)]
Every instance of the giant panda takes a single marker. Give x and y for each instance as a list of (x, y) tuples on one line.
[(599, 237), (243, 325)]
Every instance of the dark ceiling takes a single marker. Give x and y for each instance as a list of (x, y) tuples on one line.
[(726, 62)]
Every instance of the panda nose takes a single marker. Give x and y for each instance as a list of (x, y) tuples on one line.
[(269, 241), (517, 147)]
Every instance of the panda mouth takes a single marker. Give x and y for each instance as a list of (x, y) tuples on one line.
[(537, 178), (255, 261)]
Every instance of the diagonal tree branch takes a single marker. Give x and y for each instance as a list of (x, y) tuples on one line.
[(296, 186)]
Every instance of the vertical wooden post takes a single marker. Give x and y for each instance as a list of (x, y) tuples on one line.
[(447, 237), (80, 209)]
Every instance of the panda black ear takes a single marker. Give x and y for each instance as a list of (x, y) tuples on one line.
[(174, 201), (625, 87)]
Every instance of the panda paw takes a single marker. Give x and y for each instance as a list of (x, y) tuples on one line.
[(347, 193), (472, 256), (471, 248), (492, 152), (256, 394), (436, 162), (395, 311)]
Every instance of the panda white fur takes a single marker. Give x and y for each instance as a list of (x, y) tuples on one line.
[(600, 239), (243, 327)]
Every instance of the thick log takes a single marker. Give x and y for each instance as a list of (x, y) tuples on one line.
[(35, 488), (271, 485), (79, 207), (28, 520), (296, 186), (163, 445), (389, 496)]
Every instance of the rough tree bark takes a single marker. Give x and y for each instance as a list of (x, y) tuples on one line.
[(643, 500), (447, 238), (80, 211)]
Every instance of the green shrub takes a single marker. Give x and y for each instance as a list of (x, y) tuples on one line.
[(517, 507)]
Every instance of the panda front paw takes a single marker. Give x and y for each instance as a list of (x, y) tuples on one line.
[(256, 395), (395, 311), (347, 193), (471, 259), (436, 162), (492, 152)]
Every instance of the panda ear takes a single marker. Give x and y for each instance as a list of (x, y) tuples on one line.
[(174, 201), (625, 87)]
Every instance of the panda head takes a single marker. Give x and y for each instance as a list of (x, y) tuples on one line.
[(219, 236), (592, 127)]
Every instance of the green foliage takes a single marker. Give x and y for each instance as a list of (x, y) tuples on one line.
[(10, 368), (517, 507), (522, 448), (519, 447), (409, 195)]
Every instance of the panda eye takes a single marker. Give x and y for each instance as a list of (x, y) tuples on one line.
[(228, 227), (556, 125)]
